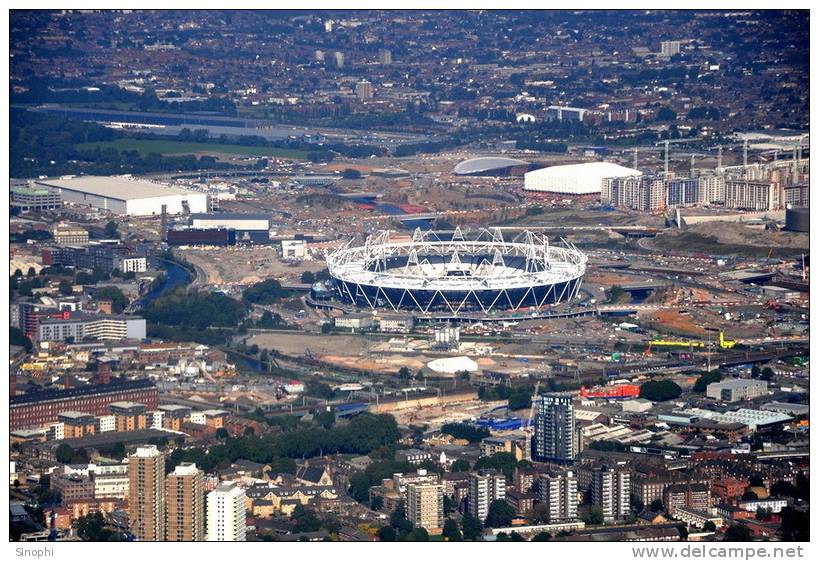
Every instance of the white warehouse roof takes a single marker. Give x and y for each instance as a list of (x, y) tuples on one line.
[(126, 195), (575, 179), (115, 187)]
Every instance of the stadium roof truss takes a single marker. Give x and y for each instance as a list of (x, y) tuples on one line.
[(483, 272)]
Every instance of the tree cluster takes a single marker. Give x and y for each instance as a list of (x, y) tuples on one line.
[(660, 390)]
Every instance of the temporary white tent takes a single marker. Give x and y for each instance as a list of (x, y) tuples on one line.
[(453, 365)]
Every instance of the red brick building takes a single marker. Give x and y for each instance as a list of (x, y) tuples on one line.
[(40, 408)]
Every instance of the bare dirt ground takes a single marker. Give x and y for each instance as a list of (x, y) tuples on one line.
[(728, 237), (438, 415), (246, 265), (297, 343), (676, 322)]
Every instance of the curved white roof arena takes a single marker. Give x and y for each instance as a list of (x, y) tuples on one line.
[(485, 263), (486, 163), (575, 179)]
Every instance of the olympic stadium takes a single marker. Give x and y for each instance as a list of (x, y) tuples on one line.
[(457, 273)]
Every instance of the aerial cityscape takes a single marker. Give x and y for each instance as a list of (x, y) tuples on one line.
[(409, 276)]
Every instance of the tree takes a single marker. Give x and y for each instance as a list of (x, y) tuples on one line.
[(636, 504), (656, 505), (387, 534), (398, 519), (749, 495), (266, 292), (738, 533), (706, 378), (471, 527), (113, 294), (542, 537), (66, 288), (520, 399), (661, 390), (418, 535), (91, 528), (351, 173), (111, 230), (18, 338), (795, 525), (464, 431), (31, 272), (709, 526), (451, 531), (594, 517), (500, 514), (449, 504), (325, 418), (222, 433), (306, 519), (307, 277), (502, 461), (64, 453), (666, 114), (377, 503), (802, 486), (404, 374), (460, 465), (617, 295)]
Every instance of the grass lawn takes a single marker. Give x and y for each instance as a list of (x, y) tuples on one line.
[(147, 146)]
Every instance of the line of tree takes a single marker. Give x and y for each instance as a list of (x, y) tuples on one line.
[(266, 292), (361, 435), (44, 144), (183, 314), (465, 432)]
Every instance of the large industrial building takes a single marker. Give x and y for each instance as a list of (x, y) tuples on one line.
[(39, 408), (26, 198), (125, 195), (231, 220), (77, 327), (476, 273), (222, 228), (575, 179)]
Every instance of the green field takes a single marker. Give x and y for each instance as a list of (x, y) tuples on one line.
[(170, 147)]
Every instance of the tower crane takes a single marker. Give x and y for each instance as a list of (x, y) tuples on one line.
[(532, 407)]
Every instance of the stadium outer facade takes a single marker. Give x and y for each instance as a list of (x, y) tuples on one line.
[(481, 274)]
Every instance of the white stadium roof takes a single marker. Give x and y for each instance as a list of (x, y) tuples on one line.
[(575, 179), (486, 163)]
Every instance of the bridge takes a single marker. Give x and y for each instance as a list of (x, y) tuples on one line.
[(792, 284), (643, 286), (747, 276)]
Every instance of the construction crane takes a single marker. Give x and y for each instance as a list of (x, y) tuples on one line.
[(532, 407), (723, 343)]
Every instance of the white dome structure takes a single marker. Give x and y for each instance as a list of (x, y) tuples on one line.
[(575, 179)]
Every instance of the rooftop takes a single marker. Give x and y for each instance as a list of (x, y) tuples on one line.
[(114, 187), (486, 163), (229, 216)]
